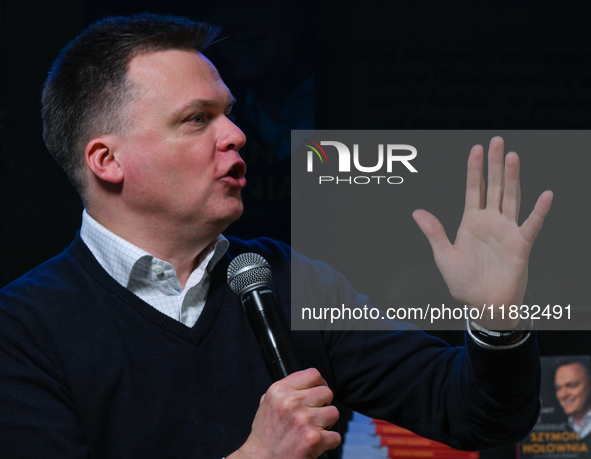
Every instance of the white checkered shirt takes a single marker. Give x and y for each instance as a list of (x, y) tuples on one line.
[(153, 280)]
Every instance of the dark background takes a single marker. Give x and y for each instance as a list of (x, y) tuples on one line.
[(329, 65)]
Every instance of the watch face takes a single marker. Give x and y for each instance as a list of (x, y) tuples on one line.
[(491, 338)]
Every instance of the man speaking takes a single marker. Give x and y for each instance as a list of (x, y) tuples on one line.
[(130, 344)]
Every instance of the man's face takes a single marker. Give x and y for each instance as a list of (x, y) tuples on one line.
[(572, 389), (180, 155)]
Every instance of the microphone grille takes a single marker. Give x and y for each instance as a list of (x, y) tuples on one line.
[(248, 269)]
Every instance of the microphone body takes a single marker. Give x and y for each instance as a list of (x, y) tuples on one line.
[(268, 324), (249, 276)]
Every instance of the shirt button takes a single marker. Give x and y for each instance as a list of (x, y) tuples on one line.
[(158, 270)]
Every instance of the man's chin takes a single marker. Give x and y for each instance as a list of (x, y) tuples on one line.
[(571, 411), (238, 212), (233, 217)]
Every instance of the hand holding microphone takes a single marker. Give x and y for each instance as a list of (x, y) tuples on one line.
[(295, 413)]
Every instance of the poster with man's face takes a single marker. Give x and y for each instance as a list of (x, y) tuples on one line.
[(563, 429), (571, 382)]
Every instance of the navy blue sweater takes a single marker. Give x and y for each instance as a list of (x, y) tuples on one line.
[(87, 369)]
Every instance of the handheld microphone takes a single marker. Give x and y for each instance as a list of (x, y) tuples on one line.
[(249, 276)]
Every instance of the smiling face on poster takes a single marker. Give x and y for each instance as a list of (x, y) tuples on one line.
[(563, 426), (573, 389)]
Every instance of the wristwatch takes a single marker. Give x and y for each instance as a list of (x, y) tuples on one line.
[(502, 339)]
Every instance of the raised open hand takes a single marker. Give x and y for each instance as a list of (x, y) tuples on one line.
[(488, 262)]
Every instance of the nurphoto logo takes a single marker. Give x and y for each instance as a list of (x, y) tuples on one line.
[(317, 153)]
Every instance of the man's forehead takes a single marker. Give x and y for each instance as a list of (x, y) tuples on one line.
[(572, 370), (155, 67), (179, 71)]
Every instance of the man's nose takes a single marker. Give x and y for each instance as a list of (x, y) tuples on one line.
[(232, 137)]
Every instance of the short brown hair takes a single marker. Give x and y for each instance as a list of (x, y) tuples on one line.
[(87, 87)]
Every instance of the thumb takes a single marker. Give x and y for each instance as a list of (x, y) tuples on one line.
[(433, 229)]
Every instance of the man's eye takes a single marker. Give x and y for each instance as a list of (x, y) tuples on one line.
[(199, 118)]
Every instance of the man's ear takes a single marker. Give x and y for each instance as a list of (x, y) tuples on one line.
[(102, 161)]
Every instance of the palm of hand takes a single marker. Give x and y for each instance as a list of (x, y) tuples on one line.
[(488, 262), (485, 261)]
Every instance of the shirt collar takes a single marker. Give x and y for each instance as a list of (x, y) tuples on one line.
[(585, 428), (119, 257)]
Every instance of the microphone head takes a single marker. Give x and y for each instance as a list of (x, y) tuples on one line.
[(248, 270)]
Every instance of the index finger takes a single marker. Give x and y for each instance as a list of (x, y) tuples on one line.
[(475, 179), (305, 379)]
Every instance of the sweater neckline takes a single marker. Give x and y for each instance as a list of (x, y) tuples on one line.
[(194, 335)]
